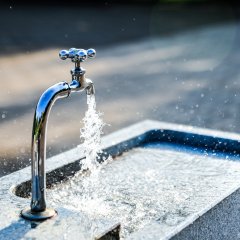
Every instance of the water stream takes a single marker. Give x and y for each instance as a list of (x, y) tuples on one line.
[(91, 135)]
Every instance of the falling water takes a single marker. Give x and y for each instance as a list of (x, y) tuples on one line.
[(91, 135)]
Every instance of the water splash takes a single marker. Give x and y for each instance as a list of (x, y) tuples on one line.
[(150, 184), (88, 200), (91, 135)]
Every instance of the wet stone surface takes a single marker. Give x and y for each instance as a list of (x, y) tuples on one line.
[(158, 182), (155, 191)]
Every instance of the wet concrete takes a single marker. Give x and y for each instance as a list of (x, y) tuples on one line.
[(176, 171)]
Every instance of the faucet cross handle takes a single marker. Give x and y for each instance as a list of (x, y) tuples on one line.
[(77, 55)]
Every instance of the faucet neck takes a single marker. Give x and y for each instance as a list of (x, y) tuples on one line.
[(38, 149), (38, 210), (78, 74)]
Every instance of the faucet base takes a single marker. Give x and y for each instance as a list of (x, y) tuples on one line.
[(38, 216)]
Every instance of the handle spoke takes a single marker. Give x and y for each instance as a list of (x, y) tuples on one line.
[(77, 55)]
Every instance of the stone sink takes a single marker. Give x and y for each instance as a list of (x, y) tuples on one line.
[(164, 181)]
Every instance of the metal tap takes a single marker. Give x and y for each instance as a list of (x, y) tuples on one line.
[(38, 210)]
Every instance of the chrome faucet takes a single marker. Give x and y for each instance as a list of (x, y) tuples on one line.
[(38, 210)]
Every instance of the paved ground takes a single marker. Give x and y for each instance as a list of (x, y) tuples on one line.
[(170, 63)]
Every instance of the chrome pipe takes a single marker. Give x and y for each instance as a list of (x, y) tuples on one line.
[(38, 210), (38, 152)]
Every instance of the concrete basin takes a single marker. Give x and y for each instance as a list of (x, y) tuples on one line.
[(166, 181)]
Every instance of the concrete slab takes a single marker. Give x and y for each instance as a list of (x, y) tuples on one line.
[(214, 203)]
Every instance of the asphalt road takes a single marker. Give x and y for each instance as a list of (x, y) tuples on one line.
[(170, 63)]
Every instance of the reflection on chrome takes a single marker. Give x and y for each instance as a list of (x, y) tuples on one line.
[(38, 210)]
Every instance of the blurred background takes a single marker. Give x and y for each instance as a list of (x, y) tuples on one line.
[(173, 61)]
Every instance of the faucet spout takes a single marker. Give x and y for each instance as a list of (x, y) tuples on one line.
[(87, 84), (38, 210), (90, 90)]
